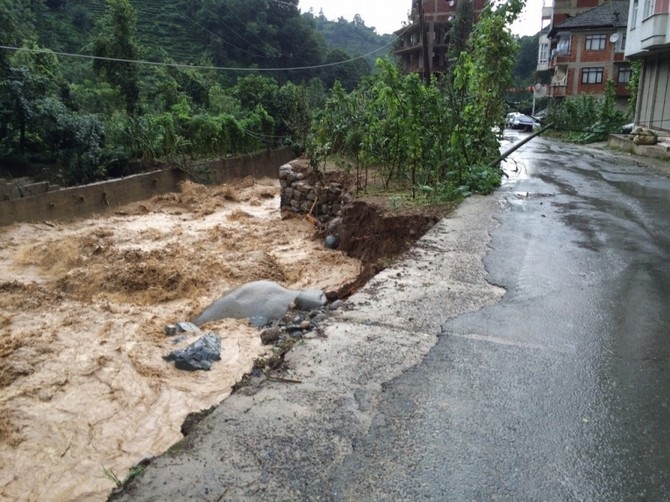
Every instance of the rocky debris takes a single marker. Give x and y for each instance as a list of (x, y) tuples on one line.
[(296, 324), (180, 327), (187, 327), (305, 191), (270, 335), (644, 136), (199, 355)]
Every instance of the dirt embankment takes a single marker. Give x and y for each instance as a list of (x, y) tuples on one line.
[(83, 306)]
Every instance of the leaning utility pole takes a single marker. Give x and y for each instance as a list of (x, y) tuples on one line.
[(424, 45)]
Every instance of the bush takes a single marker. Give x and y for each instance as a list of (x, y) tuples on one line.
[(587, 119)]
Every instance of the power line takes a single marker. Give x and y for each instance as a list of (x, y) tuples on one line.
[(197, 67), (222, 39)]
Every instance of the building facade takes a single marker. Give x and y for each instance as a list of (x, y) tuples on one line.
[(648, 40), (555, 12), (438, 19), (583, 51)]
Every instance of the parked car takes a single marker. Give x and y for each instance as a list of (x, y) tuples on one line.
[(540, 116), (517, 120), (627, 128)]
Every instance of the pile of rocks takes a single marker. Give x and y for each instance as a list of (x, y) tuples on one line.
[(644, 136), (303, 192)]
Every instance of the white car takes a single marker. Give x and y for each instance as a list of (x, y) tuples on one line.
[(517, 120)]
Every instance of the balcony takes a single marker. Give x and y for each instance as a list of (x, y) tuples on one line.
[(558, 91), (654, 31)]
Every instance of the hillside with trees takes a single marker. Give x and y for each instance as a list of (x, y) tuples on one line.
[(353, 37), (91, 91), (88, 85)]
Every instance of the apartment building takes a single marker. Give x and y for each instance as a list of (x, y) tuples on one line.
[(438, 19), (555, 12), (584, 46), (648, 40)]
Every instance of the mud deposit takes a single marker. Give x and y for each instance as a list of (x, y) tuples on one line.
[(83, 386)]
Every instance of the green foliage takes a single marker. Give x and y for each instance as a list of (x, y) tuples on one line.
[(75, 141), (633, 86), (78, 128), (28, 77), (523, 73), (460, 31), (431, 139), (117, 42), (587, 119), (353, 37)]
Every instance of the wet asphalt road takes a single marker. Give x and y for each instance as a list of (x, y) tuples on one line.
[(561, 391)]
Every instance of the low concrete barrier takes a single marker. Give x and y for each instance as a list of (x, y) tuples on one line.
[(661, 150), (83, 201)]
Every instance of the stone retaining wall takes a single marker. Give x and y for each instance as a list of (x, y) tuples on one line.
[(303, 191)]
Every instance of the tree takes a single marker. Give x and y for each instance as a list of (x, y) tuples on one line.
[(348, 73), (16, 19), (483, 74), (438, 140), (116, 50), (30, 75), (460, 31), (526, 61)]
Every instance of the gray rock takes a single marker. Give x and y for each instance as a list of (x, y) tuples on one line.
[(257, 299), (186, 326), (170, 330), (310, 299), (258, 321), (331, 242), (199, 355), (270, 335), (334, 225)]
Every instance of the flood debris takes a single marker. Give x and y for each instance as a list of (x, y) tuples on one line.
[(200, 355)]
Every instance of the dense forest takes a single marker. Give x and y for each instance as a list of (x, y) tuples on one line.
[(91, 88), (169, 80)]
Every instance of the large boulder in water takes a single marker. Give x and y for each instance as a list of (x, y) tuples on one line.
[(260, 300), (199, 355)]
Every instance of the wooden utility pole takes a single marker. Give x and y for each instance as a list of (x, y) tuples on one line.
[(424, 44)]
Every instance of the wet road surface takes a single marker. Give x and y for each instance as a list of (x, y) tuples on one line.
[(561, 391)]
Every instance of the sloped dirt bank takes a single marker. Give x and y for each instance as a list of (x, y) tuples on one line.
[(375, 234), (83, 306)]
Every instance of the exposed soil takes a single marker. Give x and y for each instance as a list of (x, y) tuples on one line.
[(83, 306)]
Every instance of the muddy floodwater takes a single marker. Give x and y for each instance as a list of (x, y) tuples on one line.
[(83, 306)]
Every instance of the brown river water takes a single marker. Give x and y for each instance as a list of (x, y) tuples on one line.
[(83, 306)]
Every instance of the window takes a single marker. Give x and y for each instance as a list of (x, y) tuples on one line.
[(648, 8), (563, 46), (543, 55), (633, 21), (625, 73), (592, 76), (595, 42)]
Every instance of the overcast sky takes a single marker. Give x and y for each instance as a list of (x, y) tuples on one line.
[(387, 16)]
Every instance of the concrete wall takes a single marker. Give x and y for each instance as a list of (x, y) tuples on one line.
[(83, 201)]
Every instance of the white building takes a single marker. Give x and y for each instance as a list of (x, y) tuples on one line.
[(648, 40)]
